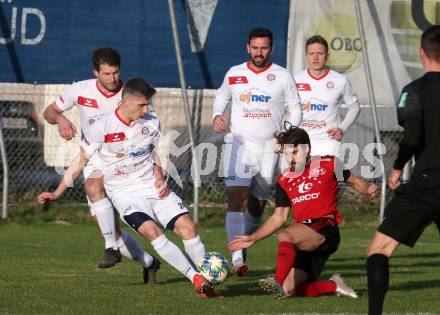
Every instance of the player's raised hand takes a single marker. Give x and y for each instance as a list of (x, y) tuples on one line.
[(335, 133), (162, 188), (66, 129), (373, 191), (47, 197), (220, 123), (240, 242), (394, 179)]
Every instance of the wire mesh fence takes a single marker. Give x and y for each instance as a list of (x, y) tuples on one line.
[(37, 155)]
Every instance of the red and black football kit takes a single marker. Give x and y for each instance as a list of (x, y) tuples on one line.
[(313, 197)]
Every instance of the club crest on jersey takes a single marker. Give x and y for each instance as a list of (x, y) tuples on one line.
[(91, 121), (237, 80), (114, 137), (330, 85), (271, 77), (88, 102), (145, 131), (303, 87)]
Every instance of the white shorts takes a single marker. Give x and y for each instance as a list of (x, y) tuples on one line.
[(92, 165), (162, 211), (250, 165)]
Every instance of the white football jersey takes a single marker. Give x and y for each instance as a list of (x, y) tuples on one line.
[(321, 100), (92, 103), (126, 152), (260, 101)]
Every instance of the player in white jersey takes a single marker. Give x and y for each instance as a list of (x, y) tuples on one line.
[(94, 98), (126, 141), (323, 91), (262, 94)]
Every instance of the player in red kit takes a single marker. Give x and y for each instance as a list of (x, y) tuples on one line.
[(309, 189)]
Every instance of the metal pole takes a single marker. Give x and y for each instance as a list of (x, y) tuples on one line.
[(372, 101), (5, 175), (195, 163)]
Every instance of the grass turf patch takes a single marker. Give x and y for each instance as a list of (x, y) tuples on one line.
[(52, 269)]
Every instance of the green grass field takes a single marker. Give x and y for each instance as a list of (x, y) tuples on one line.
[(48, 268)]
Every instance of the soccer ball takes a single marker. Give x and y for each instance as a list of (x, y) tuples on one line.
[(213, 267)]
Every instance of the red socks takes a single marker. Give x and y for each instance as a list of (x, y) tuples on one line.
[(316, 288), (285, 260)]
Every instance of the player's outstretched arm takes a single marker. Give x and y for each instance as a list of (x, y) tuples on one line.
[(54, 115), (70, 175), (272, 224), (360, 185)]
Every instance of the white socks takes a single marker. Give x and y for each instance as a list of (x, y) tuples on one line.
[(235, 226), (174, 256), (103, 211), (251, 223), (195, 249), (130, 248)]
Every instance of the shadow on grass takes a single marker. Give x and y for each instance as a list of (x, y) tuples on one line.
[(173, 280), (418, 255), (241, 289), (415, 285)]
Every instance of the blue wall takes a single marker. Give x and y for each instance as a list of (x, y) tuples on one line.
[(139, 29)]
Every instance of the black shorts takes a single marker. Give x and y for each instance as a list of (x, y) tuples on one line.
[(313, 262), (136, 219), (414, 206)]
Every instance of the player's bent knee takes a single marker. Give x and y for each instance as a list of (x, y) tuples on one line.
[(284, 237), (94, 190), (382, 244), (144, 225), (150, 230)]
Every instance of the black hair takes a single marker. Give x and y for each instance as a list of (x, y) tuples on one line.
[(261, 32), (105, 55), (317, 39), (430, 42), (292, 135), (138, 87)]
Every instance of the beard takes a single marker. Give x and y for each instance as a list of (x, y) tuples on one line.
[(260, 61)]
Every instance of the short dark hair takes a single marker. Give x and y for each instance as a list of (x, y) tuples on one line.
[(430, 42), (105, 55), (317, 39), (261, 32), (293, 135), (138, 87)]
